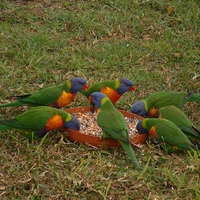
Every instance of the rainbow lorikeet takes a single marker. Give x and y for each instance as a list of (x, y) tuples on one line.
[(150, 105), (56, 96), (113, 89), (166, 133), (112, 123), (39, 120), (179, 118)]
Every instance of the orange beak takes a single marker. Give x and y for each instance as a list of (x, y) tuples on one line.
[(131, 88), (85, 87)]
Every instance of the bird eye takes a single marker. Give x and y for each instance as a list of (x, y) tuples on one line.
[(127, 84)]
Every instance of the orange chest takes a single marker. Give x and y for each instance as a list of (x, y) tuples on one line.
[(152, 132), (111, 94), (53, 123), (152, 112), (65, 99)]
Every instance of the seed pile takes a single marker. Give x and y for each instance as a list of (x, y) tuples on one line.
[(89, 124)]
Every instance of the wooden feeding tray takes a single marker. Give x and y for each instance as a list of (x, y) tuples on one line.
[(90, 132)]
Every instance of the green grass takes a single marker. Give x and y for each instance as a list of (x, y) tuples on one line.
[(43, 43)]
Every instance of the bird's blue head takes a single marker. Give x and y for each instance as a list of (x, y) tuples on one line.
[(140, 108), (78, 84), (72, 123), (140, 128), (125, 86), (96, 98)]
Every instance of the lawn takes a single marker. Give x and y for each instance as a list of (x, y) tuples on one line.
[(156, 44)]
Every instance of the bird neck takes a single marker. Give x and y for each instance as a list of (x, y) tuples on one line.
[(117, 83), (146, 105), (69, 84), (106, 103), (66, 86)]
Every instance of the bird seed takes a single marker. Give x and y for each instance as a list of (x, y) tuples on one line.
[(89, 126)]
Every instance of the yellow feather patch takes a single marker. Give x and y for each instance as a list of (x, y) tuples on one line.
[(117, 83), (144, 124), (69, 84), (104, 100), (69, 117), (145, 105)]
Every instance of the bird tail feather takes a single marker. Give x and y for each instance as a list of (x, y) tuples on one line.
[(195, 134), (13, 104), (4, 127), (129, 150), (21, 96), (193, 97), (196, 130)]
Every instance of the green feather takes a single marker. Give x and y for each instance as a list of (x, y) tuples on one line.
[(45, 97), (164, 98), (4, 127), (160, 99), (13, 104), (114, 126), (34, 119), (193, 97), (175, 115), (168, 132), (114, 84), (129, 151)]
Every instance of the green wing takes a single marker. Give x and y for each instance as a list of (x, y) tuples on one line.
[(171, 134), (113, 124), (98, 86), (44, 97), (160, 99), (175, 115), (33, 119)]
